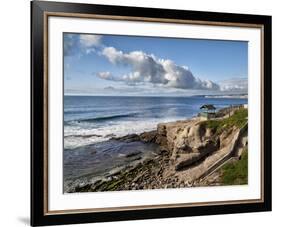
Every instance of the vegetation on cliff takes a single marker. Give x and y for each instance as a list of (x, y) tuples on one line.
[(236, 173), (238, 119)]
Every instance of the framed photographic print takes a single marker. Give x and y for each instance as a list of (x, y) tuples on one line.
[(142, 113)]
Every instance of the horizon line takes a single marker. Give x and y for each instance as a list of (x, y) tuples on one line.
[(114, 95)]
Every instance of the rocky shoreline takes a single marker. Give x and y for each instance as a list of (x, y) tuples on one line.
[(190, 153)]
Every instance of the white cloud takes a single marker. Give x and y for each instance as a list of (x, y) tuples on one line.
[(90, 40), (234, 85), (146, 68), (106, 76), (75, 44)]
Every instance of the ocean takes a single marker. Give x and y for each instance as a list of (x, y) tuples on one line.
[(90, 122)]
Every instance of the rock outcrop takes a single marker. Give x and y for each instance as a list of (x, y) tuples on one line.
[(194, 148), (187, 141)]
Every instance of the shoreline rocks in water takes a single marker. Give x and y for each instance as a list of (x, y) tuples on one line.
[(133, 154), (190, 151)]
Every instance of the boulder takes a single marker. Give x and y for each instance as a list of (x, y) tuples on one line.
[(186, 160), (148, 137)]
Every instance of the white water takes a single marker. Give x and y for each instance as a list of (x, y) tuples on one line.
[(77, 136)]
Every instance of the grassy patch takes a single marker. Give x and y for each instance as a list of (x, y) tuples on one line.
[(237, 172), (238, 119)]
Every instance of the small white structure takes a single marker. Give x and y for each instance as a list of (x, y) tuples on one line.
[(208, 111)]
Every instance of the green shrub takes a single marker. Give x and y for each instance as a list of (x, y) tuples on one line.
[(237, 172), (238, 119)]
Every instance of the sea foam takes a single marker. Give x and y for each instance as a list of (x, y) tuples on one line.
[(77, 135)]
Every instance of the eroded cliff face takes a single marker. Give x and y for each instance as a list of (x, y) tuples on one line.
[(195, 149), (187, 141)]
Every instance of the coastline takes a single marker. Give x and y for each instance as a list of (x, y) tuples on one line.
[(190, 154)]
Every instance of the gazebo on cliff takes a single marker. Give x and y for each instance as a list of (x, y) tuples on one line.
[(208, 111)]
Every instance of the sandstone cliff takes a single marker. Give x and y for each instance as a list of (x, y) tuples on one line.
[(195, 149)]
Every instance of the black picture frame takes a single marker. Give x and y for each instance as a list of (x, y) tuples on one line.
[(39, 120)]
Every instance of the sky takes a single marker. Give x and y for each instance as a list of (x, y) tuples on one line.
[(153, 66)]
